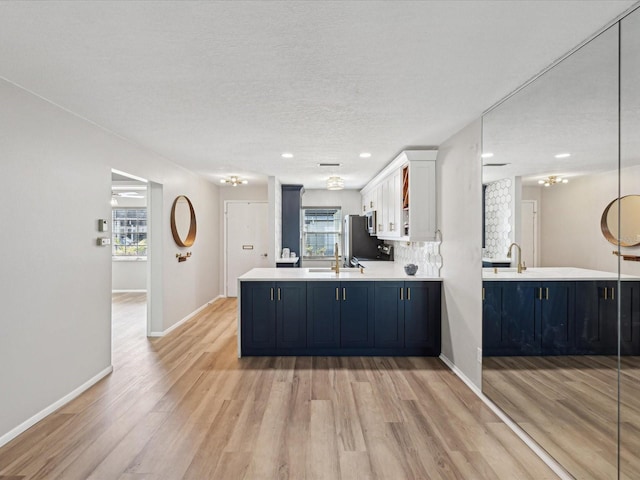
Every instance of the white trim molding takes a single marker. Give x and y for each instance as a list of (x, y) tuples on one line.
[(185, 319), (11, 434), (524, 436)]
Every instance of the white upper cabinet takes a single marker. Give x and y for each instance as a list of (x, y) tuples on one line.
[(404, 197)]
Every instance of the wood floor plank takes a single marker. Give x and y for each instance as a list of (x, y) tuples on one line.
[(185, 407)]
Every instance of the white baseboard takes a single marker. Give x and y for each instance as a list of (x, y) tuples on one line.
[(129, 291), (524, 436), (10, 435), (185, 319)]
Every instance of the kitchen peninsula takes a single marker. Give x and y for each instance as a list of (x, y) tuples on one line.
[(379, 310)]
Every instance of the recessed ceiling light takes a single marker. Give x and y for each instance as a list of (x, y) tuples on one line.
[(365, 155), (287, 155), (487, 155), (562, 155)]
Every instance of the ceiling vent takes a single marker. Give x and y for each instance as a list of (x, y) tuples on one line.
[(329, 164)]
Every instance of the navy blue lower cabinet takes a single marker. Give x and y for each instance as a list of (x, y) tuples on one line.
[(556, 305), (340, 318), (258, 317), (356, 314), (422, 316), (596, 327), (323, 314), (291, 315), (528, 318), (389, 315), (629, 318)]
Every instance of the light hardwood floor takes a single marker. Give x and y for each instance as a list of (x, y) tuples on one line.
[(569, 405), (184, 406)]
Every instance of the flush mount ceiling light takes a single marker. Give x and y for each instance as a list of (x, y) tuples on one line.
[(287, 155), (335, 183), (552, 180), (365, 155), (486, 155), (562, 155), (234, 181)]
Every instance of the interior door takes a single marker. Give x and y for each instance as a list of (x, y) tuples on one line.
[(247, 241)]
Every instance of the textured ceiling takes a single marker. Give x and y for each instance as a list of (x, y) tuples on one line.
[(225, 87)]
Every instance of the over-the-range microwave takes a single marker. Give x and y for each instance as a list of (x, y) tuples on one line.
[(371, 222)]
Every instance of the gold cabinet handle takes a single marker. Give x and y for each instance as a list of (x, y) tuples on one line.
[(613, 296), (539, 293), (272, 294), (483, 294), (547, 293), (344, 293), (401, 293), (606, 291), (278, 293), (337, 294), (408, 293)]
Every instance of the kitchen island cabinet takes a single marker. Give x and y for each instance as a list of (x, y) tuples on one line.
[(354, 315)]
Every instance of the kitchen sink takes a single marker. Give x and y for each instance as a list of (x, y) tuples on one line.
[(328, 269)]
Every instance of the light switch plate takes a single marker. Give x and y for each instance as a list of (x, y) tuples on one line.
[(103, 225), (103, 241)]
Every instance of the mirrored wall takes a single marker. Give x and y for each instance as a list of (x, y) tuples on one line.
[(561, 298)]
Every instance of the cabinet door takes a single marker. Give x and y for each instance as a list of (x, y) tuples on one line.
[(393, 227), (383, 211), (389, 314), (520, 324), (356, 314), (258, 319), (629, 318), (494, 340), (596, 327), (422, 315), (556, 303), (323, 314), (291, 314)]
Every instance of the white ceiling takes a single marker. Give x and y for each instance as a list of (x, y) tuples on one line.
[(225, 87)]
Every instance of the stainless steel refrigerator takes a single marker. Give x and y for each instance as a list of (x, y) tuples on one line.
[(357, 241)]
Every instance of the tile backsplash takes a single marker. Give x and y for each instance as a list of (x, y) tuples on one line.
[(424, 254)]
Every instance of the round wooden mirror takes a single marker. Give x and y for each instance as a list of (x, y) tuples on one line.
[(183, 222), (622, 214)]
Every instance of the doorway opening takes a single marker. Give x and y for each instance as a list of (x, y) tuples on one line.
[(130, 248)]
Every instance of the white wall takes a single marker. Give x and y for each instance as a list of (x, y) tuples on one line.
[(570, 222), (459, 180), (55, 282)]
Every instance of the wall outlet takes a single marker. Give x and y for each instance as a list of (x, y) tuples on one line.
[(103, 241), (479, 355)]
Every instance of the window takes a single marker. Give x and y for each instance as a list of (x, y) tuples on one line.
[(129, 232), (322, 227)]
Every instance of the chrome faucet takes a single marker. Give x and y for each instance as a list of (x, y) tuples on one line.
[(336, 267), (519, 255)]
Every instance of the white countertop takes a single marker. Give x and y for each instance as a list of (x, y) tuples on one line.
[(374, 271), (551, 273)]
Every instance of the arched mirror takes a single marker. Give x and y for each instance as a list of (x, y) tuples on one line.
[(183, 222), (626, 209)]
